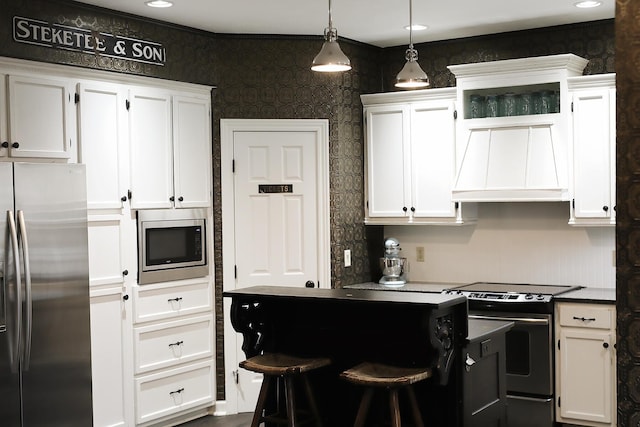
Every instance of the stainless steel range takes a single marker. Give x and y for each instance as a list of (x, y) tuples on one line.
[(529, 345)]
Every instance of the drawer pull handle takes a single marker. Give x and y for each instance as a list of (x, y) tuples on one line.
[(176, 344), (178, 299), (176, 392), (585, 319)]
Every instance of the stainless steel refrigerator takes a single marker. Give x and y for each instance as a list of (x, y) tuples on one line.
[(45, 344)]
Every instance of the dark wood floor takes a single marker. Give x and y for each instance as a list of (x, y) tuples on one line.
[(240, 420)]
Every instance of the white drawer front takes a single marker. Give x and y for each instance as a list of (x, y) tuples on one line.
[(587, 316), (170, 300), (168, 344), (170, 392)]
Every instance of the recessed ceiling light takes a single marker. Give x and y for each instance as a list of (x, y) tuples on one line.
[(159, 3), (586, 4), (417, 27)]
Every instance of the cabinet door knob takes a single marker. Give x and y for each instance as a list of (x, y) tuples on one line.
[(125, 297), (404, 209), (180, 199), (123, 198), (125, 273), (605, 344), (15, 145), (413, 209), (605, 208), (5, 144)]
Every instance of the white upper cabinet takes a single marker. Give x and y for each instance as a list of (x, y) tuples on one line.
[(388, 149), (170, 146), (192, 152), (410, 157), (151, 149), (594, 150), (40, 118), (102, 133)]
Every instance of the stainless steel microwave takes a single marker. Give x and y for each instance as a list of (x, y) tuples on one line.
[(172, 245)]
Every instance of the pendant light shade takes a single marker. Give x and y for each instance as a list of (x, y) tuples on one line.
[(331, 58), (411, 76)]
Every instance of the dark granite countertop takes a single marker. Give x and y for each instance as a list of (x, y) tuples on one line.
[(589, 295), (433, 299), (480, 329), (428, 287)]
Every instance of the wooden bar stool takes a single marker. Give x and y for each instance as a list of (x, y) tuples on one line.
[(284, 368), (376, 375)]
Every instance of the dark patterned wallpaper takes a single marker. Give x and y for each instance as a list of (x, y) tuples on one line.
[(252, 84), (628, 210)]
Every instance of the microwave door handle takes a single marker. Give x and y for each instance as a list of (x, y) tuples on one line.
[(12, 240), (28, 294)]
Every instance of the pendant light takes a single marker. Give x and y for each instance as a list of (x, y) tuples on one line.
[(411, 76), (331, 58)]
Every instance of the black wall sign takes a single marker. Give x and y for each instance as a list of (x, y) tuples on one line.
[(275, 188), (56, 36)]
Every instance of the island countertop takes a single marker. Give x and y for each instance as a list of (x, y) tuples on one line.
[(434, 300)]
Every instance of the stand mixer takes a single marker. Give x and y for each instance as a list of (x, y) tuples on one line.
[(392, 264)]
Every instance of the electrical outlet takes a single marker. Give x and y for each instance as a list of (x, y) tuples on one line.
[(347, 257), (420, 254)]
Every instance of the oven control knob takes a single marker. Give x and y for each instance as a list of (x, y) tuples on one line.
[(528, 296), (540, 297)]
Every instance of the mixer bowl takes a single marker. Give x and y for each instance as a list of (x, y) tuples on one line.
[(392, 267)]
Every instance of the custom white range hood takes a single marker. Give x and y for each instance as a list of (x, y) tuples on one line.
[(505, 149)]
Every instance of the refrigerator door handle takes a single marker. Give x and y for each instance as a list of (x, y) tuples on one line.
[(28, 298), (13, 238)]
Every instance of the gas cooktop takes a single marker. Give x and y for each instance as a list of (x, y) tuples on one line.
[(510, 292)]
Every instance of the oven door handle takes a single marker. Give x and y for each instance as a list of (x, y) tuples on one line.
[(529, 399), (511, 319)]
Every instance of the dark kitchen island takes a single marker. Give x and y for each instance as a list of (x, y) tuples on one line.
[(351, 326)]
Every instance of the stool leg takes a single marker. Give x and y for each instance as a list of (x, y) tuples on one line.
[(262, 398), (395, 407), (291, 403), (417, 418), (364, 408), (312, 401)]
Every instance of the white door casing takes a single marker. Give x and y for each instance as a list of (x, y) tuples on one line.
[(271, 152)]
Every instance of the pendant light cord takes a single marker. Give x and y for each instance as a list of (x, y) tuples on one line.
[(410, 23)]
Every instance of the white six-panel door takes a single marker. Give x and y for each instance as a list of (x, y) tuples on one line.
[(275, 197), (275, 208)]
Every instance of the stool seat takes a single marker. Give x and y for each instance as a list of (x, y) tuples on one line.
[(393, 378), (379, 375), (281, 370), (283, 364)]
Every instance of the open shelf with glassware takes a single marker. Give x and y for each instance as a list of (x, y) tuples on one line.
[(524, 100)]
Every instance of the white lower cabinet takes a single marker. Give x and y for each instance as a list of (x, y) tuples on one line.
[(111, 354), (173, 345), (585, 364), (169, 392)]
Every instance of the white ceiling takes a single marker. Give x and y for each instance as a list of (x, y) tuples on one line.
[(376, 22)]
